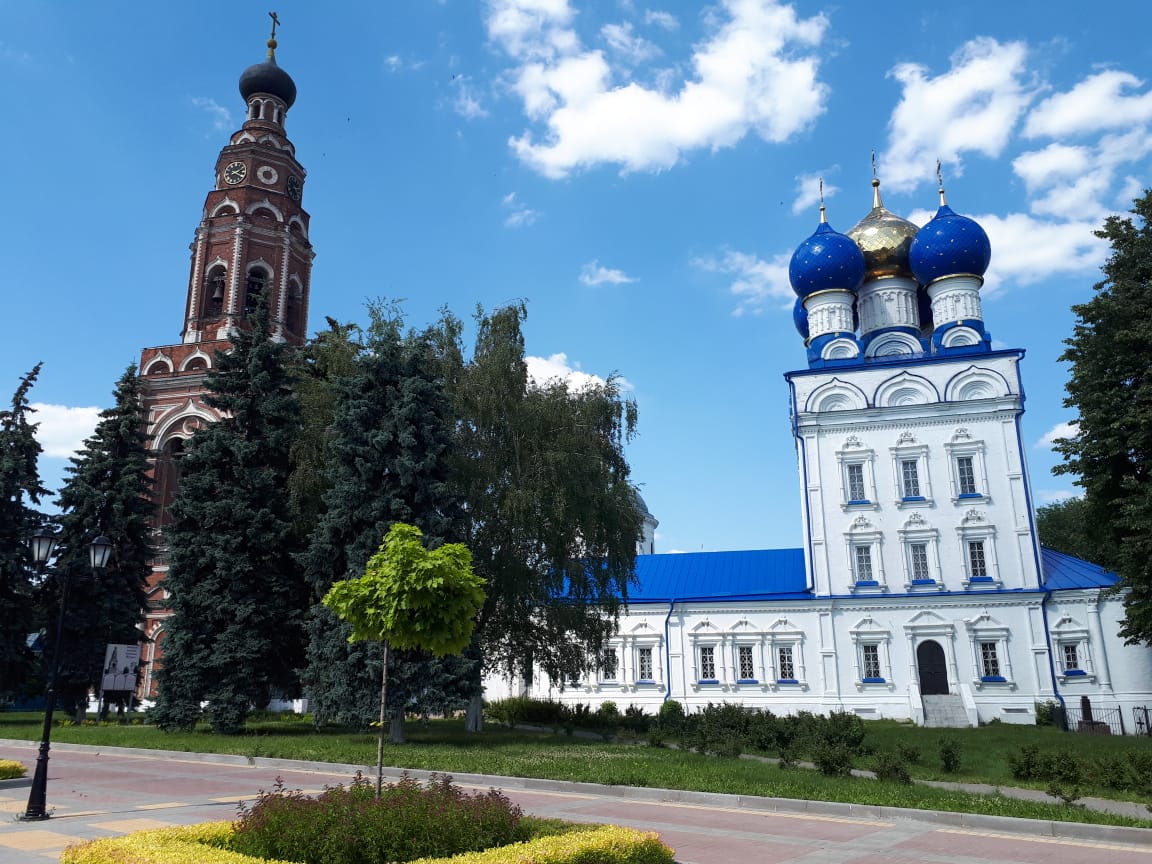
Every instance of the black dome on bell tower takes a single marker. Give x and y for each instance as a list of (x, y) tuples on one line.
[(269, 78)]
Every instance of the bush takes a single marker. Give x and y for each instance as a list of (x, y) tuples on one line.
[(949, 755), (10, 770), (844, 728), (1046, 713), (891, 768), (1030, 764), (671, 715), (833, 760), (636, 721), (351, 826), (522, 709), (909, 753)]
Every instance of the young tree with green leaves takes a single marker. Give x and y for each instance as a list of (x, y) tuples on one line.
[(411, 598), (1068, 526), (550, 515), (386, 458), (236, 637), (1110, 352), (20, 494), (107, 492)]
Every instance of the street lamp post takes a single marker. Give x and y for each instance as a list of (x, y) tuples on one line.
[(43, 545)]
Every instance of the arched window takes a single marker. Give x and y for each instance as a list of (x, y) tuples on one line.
[(167, 478), (254, 290), (214, 284)]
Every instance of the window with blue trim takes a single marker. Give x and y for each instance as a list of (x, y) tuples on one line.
[(965, 477), (746, 662), (786, 664), (870, 664), (644, 664), (707, 655), (990, 662), (855, 478), (918, 561), (910, 478), (977, 563)]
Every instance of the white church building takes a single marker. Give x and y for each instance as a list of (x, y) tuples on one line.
[(921, 591)]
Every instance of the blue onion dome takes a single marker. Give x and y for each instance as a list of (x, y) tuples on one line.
[(949, 245), (268, 78), (826, 261), (884, 238), (800, 318)]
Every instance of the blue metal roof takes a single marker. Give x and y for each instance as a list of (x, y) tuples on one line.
[(1065, 572), (760, 574)]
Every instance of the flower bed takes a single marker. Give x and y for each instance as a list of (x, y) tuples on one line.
[(10, 770), (205, 844)]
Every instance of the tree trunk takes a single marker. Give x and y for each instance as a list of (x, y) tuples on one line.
[(474, 719), (383, 715), (397, 733)]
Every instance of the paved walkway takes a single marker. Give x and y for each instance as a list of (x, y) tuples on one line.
[(101, 792)]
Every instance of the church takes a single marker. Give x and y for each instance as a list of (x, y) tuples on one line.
[(920, 590)]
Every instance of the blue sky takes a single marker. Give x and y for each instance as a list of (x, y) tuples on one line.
[(638, 172)]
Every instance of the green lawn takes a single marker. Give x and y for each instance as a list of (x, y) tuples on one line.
[(443, 746)]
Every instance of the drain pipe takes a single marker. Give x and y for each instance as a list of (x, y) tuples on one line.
[(668, 652)]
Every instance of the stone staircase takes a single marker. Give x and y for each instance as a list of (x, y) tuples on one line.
[(944, 711)]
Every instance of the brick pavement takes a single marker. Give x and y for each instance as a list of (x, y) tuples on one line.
[(98, 792)]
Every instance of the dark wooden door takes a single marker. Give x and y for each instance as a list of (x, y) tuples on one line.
[(932, 667)]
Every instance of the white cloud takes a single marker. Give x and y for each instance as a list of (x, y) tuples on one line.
[(221, 116), (1026, 249), (1038, 168), (466, 103), (520, 215), (1098, 102), (593, 274), (661, 19), (627, 45), (756, 283), (1055, 496), (1069, 429), (393, 62), (63, 428), (755, 72), (556, 367), (973, 107), (808, 190)]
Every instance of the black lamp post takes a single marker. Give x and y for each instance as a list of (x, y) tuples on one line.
[(43, 544)]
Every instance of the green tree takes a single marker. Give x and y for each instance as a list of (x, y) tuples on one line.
[(20, 494), (1070, 527), (236, 638), (550, 516), (1110, 352), (386, 458), (413, 598), (106, 492)]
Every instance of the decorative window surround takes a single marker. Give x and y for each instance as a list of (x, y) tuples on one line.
[(912, 484), (968, 472), (707, 654), (784, 636), (857, 475), (865, 560), (920, 544), (643, 655), (1072, 651), (609, 665), (747, 654), (873, 667), (977, 539), (991, 663)]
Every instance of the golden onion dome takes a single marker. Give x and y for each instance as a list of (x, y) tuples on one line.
[(884, 238)]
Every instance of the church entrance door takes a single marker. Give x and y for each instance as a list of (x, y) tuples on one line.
[(933, 668)]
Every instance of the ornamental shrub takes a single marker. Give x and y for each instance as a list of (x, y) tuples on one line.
[(949, 754), (351, 826), (833, 760), (891, 768), (10, 770), (671, 715)]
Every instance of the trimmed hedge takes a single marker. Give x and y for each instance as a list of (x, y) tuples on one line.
[(204, 844), (10, 770)]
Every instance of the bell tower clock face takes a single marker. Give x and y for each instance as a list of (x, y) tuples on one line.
[(294, 188), (234, 173)]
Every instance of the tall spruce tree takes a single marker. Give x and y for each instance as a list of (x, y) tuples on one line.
[(20, 494), (387, 457), (236, 637), (551, 518), (1111, 387), (106, 492)]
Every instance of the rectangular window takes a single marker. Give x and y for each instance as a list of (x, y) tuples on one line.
[(855, 475), (870, 655), (965, 475), (1071, 656), (608, 664), (918, 558), (746, 662), (863, 563), (787, 665), (644, 663), (707, 663), (989, 660), (977, 563), (910, 478)]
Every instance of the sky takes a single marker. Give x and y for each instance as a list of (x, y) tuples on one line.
[(638, 172)]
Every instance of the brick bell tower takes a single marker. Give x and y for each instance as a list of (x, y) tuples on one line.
[(251, 243)]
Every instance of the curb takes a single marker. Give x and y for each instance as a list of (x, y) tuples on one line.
[(870, 812)]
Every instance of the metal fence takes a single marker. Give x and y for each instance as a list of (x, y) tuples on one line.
[(1142, 719), (1092, 720)]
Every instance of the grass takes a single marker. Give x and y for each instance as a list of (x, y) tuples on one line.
[(444, 746)]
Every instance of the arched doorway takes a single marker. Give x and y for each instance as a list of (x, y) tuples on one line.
[(932, 668)]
